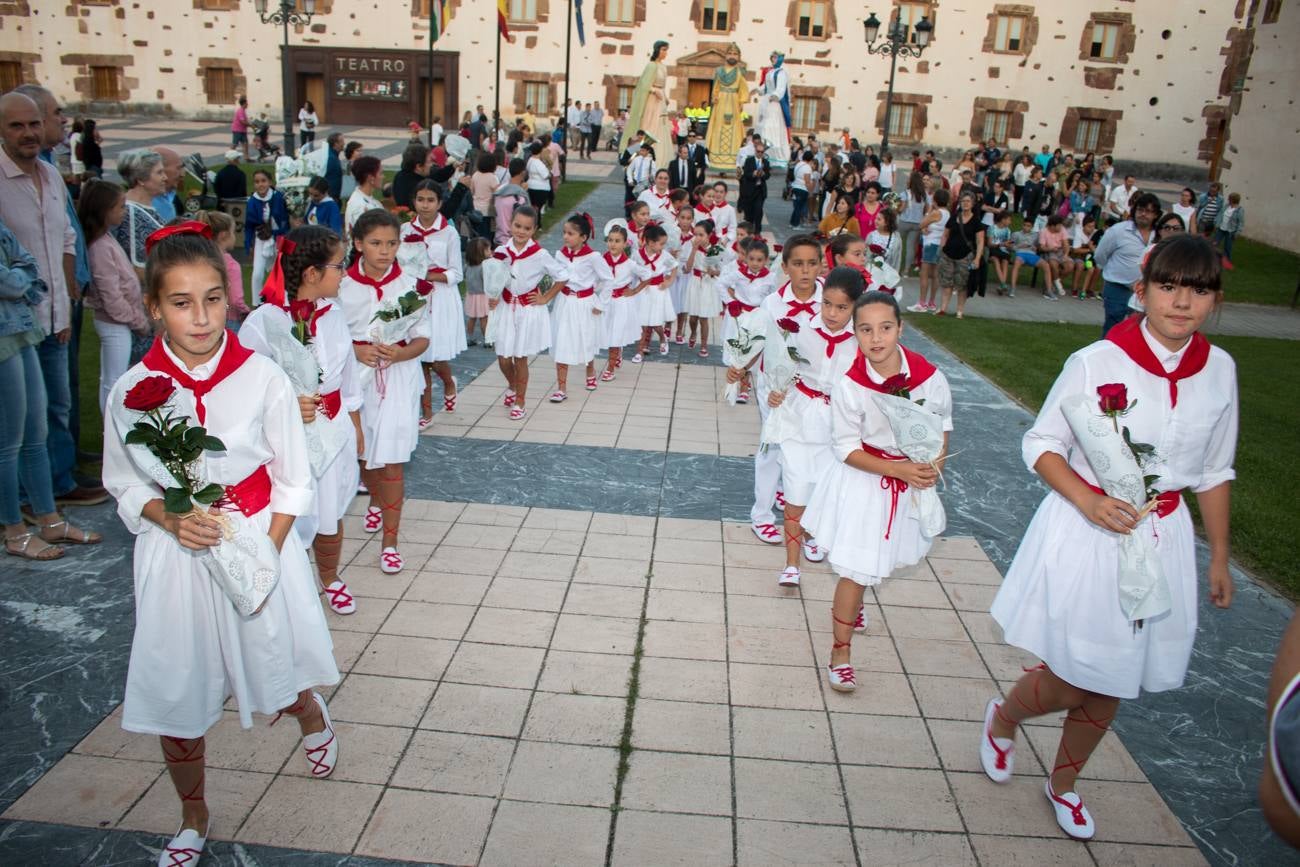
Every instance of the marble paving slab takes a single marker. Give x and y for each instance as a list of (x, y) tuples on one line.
[(487, 685)]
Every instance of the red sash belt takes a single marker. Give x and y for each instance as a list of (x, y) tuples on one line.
[(524, 300), (657, 281), (578, 293), (331, 402), (697, 272), (369, 343), (1166, 501), (250, 496), (735, 308), (895, 486), (812, 392), (619, 293)]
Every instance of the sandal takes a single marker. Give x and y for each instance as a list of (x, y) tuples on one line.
[(558, 396), (374, 519), (339, 599), (390, 562), (704, 353), (23, 541), (517, 413), (607, 376), (510, 398), (449, 400), (591, 383), (70, 534)]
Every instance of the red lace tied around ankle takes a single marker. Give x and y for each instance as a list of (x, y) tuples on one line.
[(895, 486)]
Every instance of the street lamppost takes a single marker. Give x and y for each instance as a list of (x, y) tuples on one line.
[(895, 44), (286, 13)]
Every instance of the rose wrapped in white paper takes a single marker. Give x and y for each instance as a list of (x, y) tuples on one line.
[(918, 434), (779, 369), (244, 563), (1143, 591), (413, 257), (883, 276), (496, 277), (326, 436), (751, 337)]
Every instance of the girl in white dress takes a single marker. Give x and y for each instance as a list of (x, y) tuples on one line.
[(580, 307), (861, 510), (308, 270), (638, 216), (722, 213), (825, 342), (681, 242), (658, 198), (655, 268), (391, 387), (1059, 600), (525, 327), (444, 269), (741, 289), (701, 296), (192, 650), (622, 324)]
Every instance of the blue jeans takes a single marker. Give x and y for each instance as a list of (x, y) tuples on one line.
[(74, 374), (23, 456), (800, 199), (1114, 300), (58, 410), (1224, 240)]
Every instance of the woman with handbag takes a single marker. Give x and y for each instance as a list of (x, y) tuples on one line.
[(961, 252)]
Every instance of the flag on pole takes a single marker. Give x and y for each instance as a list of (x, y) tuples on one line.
[(439, 17), (577, 11), (503, 15)]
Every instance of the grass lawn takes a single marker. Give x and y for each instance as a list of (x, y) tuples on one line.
[(1263, 274), (567, 198), (1024, 358)]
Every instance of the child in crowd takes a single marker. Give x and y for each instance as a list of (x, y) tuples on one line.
[(701, 296), (368, 172), (639, 218), (477, 251), (826, 346), (266, 218), (309, 269), (869, 207), (525, 327), (1081, 259), (847, 251), (1058, 600), (722, 213), (323, 210), (860, 510), (884, 240), (681, 244), (119, 311), (933, 226), (1053, 246), (392, 386), (576, 325), (223, 233), (741, 289), (442, 266), (1025, 246), (656, 270), (999, 247), (184, 622), (622, 321), (1231, 220)]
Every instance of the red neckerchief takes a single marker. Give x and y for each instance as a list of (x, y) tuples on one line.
[(918, 371), (423, 232), (359, 276), (661, 198), (795, 307), (316, 317), (232, 358), (834, 340), (532, 249), (744, 272), (646, 260), (735, 248), (613, 265), (686, 236), (700, 209), (1128, 336), (584, 250)]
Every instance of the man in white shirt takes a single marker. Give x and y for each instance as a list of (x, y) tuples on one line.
[(1117, 203), (641, 170), (435, 132), (573, 118)]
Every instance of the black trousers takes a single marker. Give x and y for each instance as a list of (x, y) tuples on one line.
[(593, 143), (752, 209)]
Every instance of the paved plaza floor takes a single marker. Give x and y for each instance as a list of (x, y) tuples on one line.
[(486, 708)]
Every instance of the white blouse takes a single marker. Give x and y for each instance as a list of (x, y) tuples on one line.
[(647, 268), (621, 274), (782, 304), (528, 266), (332, 345), (750, 289), (1195, 441), (856, 420), (820, 371), (586, 271), (361, 301), (441, 247)]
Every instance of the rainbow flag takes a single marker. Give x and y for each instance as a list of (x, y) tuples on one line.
[(503, 14), (439, 17)]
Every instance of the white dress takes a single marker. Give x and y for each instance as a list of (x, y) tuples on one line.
[(750, 290), (524, 329), (340, 386), (390, 397), (656, 300), (850, 510), (661, 209), (1059, 600), (805, 457), (724, 221), (578, 330), (701, 295), (680, 246), (441, 244), (622, 320), (191, 649)]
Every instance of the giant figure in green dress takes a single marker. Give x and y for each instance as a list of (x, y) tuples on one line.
[(726, 121)]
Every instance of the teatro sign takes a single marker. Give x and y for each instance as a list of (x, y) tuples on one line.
[(347, 63)]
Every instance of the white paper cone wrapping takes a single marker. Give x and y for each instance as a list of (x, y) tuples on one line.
[(1143, 591), (326, 437), (751, 335), (918, 433)]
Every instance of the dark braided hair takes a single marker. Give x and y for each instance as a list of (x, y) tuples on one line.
[(313, 247)]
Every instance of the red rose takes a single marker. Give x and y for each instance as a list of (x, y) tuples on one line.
[(149, 393), (896, 384), (788, 325), (877, 250), (302, 310), (423, 287), (1113, 397)]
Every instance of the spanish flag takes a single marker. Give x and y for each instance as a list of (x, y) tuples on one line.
[(503, 14)]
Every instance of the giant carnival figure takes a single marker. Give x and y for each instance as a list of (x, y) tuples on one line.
[(773, 115), (649, 110), (726, 123)]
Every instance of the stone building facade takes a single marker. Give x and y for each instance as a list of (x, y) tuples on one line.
[(1153, 83)]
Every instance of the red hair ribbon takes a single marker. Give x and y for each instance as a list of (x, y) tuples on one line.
[(591, 226), (188, 227), (273, 289)]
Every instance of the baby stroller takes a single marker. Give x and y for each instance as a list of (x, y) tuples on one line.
[(267, 151), (202, 200)]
